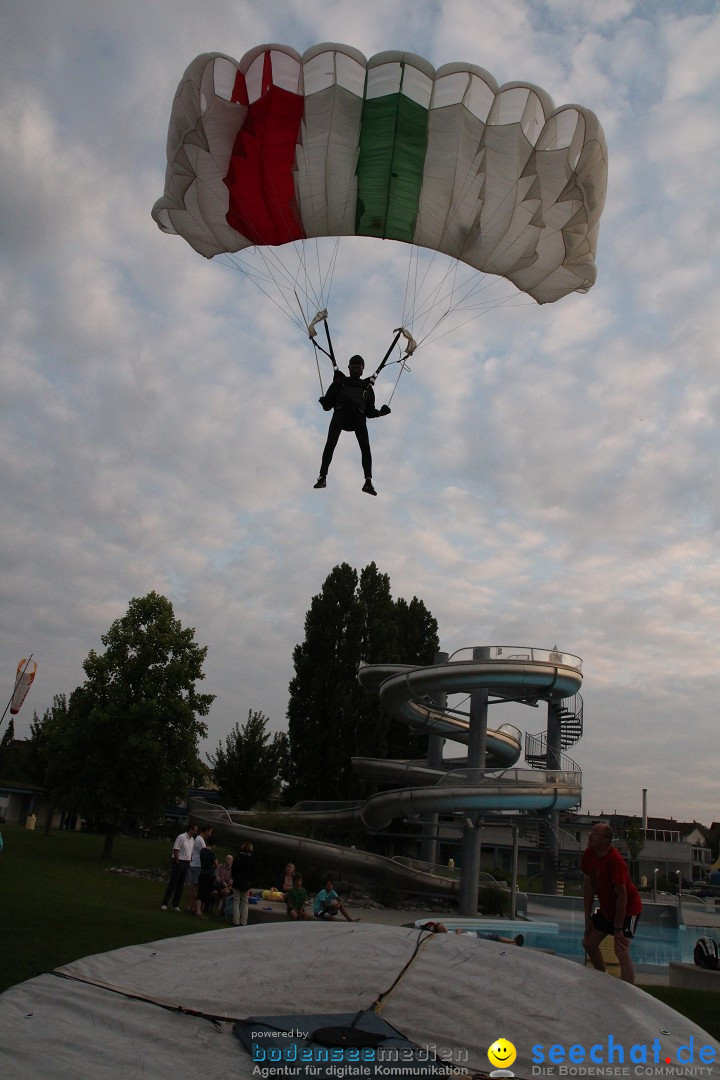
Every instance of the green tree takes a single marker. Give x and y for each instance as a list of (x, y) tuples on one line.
[(6, 751), (249, 768), (635, 840), (323, 695), (353, 620), (42, 732), (129, 743), (39, 742)]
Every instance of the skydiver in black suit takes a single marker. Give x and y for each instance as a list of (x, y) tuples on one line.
[(352, 400)]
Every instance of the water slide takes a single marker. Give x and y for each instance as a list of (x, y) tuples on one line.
[(415, 696)]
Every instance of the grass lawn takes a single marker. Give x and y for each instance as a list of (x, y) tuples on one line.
[(60, 901), (700, 1006)]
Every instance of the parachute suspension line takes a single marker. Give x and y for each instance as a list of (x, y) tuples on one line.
[(409, 349), (504, 301), (280, 272), (429, 296), (422, 311), (261, 283), (250, 271), (329, 352), (326, 274), (454, 297), (425, 303), (315, 296), (453, 293), (304, 285), (402, 368), (278, 282), (317, 364)]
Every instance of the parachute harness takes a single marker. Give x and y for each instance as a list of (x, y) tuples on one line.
[(400, 331)]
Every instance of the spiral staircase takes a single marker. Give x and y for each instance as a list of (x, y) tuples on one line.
[(537, 753)]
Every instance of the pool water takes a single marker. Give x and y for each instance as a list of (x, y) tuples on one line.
[(653, 946)]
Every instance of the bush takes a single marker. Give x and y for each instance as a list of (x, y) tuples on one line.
[(493, 901), (388, 894)]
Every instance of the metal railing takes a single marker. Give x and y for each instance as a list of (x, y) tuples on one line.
[(536, 748), (477, 777), (515, 653)]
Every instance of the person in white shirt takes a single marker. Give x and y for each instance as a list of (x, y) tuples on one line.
[(194, 869), (181, 856)]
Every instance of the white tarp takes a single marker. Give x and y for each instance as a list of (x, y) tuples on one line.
[(456, 998)]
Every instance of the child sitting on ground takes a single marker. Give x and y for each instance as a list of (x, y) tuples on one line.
[(296, 899), (328, 904)]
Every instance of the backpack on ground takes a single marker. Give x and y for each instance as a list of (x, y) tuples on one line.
[(707, 954)]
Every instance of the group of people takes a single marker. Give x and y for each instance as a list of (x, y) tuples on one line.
[(194, 861), (605, 873), (230, 883), (327, 903)]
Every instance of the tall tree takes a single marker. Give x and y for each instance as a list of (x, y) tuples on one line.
[(248, 769), (353, 620), (129, 745), (42, 733), (6, 755), (367, 727), (635, 840), (323, 692), (416, 643)]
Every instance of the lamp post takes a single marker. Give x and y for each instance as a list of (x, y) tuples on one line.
[(679, 898), (656, 871)]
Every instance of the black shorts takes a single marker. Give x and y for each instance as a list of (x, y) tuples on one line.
[(205, 888), (606, 926)]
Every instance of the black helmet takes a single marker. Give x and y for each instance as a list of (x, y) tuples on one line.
[(356, 360)]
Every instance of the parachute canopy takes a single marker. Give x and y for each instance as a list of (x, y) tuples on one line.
[(281, 146)]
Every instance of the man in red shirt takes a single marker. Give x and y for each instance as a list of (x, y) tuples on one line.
[(607, 877)]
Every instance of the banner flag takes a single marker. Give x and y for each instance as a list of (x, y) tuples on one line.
[(23, 681)]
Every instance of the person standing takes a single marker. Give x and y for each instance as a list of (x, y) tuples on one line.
[(208, 866), (194, 869), (607, 877), (242, 874), (181, 855)]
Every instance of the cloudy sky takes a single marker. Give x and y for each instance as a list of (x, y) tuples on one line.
[(548, 474)]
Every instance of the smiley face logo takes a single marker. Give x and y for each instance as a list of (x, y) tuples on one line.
[(501, 1054)]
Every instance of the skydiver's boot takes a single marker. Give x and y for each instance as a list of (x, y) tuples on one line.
[(321, 482), (368, 487)]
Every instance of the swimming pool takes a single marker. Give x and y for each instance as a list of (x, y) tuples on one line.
[(654, 946)]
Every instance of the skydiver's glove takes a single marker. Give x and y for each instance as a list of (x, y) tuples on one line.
[(385, 410)]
